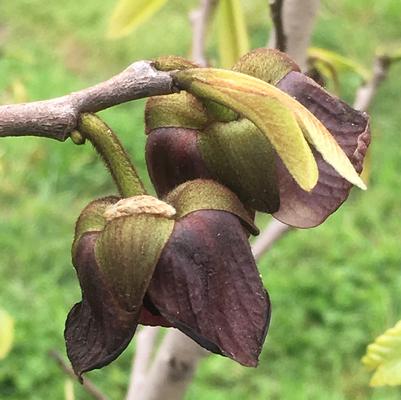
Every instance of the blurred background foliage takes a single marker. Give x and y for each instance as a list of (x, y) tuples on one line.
[(333, 288)]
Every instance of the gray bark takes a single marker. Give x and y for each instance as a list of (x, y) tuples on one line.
[(57, 118), (298, 20)]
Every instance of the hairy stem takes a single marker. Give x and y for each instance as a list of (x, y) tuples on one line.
[(113, 154)]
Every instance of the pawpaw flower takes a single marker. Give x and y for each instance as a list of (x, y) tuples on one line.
[(271, 134), (183, 262)]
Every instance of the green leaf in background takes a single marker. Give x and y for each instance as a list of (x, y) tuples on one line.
[(285, 122), (129, 14), (384, 356), (6, 333), (69, 390), (338, 62), (232, 34)]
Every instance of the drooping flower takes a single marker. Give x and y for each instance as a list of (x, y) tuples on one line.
[(185, 263), (273, 171)]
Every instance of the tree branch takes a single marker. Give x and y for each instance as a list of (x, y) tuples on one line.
[(86, 383), (199, 19), (57, 118), (298, 20), (273, 231), (276, 8), (366, 93), (173, 368), (145, 343)]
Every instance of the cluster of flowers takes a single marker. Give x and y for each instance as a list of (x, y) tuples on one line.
[(184, 261)]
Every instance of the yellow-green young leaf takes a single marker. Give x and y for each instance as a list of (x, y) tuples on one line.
[(384, 355), (391, 51), (259, 102), (280, 117), (232, 34), (338, 62), (6, 333), (129, 14), (367, 166)]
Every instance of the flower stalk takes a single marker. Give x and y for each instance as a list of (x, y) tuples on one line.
[(106, 143)]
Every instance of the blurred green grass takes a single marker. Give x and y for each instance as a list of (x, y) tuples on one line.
[(333, 288)]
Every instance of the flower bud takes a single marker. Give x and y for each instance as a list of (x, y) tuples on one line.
[(116, 248), (268, 162), (197, 237)]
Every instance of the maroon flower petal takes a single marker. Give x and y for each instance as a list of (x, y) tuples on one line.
[(151, 316), (207, 285), (97, 329), (349, 127), (172, 157)]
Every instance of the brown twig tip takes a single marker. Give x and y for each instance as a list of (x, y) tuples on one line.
[(89, 387)]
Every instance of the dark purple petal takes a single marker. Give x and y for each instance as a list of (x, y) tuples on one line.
[(349, 127), (97, 329), (172, 157), (151, 316), (207, 284)]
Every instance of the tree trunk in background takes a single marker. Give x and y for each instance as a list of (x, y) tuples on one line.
[(172, 369), (298, 20)]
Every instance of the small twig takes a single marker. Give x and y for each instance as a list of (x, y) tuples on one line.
[(57, 118), (86, 383), (298, 19), (199, 19), (173, 368), (273, 232), (276, 11), (367, 92), (145, 343)]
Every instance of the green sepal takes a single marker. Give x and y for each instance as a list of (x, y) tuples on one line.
[(91, 218), (243, 158), (218, 112), (204, 194), (175, 110), (127, 252), (172, 63), (269, 65)]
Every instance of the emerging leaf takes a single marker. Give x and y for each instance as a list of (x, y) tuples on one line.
[(384, 355), (232, 35), (280, 117), (129, 14), (337, 62), (259, 102)]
